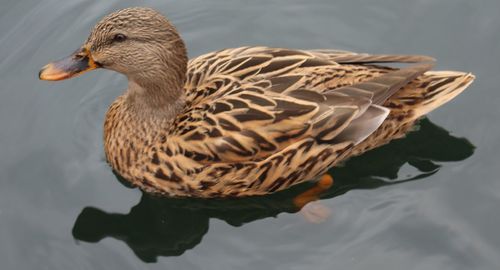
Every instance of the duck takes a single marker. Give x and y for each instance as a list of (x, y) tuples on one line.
[(246, 121)]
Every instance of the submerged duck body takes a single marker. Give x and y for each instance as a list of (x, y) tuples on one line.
[(250, 120)]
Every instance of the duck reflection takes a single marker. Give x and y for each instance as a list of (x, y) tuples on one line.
[(168, 227)]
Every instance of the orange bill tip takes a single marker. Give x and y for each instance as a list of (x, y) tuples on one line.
[(51, 73), (68, 67)]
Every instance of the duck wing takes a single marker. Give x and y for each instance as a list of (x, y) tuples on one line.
[(247, 118)]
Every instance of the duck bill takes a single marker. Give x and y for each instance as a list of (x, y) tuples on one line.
[(78, 63)]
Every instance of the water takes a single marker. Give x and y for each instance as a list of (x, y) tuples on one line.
[(429, 201)]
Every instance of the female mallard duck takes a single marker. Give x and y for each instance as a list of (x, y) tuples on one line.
[(245, 121)]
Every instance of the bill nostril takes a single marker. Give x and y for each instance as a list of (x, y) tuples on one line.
[(79, 56)]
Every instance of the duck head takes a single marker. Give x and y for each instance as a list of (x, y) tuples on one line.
[(138, 42)]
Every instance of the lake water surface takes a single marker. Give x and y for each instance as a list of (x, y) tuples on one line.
[(429, 201)]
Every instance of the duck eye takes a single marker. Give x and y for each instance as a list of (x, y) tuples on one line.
[(119, 38)]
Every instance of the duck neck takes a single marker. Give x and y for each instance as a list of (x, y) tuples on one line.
[(157, 91), (150, 100)]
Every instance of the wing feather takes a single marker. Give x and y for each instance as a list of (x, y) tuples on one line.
[(384, 86), (362, 127), (345, 57)]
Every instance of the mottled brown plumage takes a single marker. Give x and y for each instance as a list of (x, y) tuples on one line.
[(251, 120)]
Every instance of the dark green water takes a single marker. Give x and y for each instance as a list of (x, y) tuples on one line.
[(429, 201)]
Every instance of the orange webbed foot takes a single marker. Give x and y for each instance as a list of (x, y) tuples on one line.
[(313, 211)]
